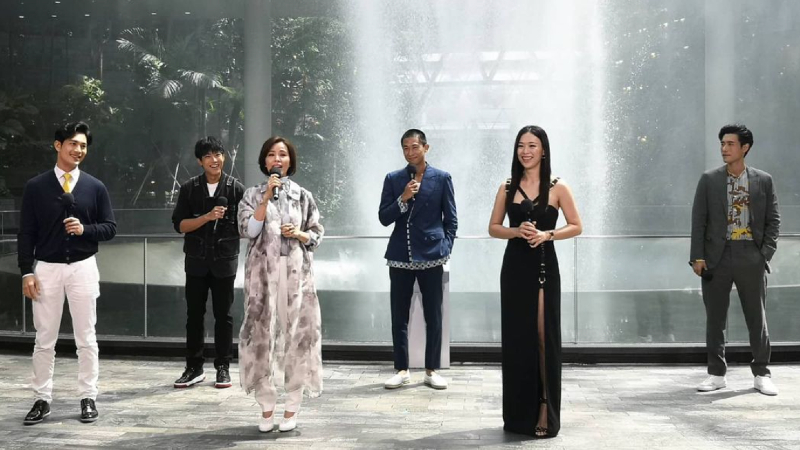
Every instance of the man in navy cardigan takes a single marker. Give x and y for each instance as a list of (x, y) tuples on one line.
[(420, 202), (64, 214)]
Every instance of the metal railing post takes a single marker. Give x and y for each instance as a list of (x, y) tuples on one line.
[(144, 282), (575, 289)]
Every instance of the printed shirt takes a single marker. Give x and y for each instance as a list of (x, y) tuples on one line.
[(739, 208)]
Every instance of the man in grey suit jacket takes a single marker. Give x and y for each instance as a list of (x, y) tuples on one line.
[(735, 222)]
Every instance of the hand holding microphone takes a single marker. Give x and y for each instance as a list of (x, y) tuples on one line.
[(72, 225), (412, 188), (274, 183), (219, 210), (527, 229)]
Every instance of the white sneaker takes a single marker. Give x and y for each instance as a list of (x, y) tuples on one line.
[(288, 424), (435, 381), (712, 383), (400, 378), (765, 385), (265, 425)]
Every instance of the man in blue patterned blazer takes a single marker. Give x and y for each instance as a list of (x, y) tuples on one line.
[(420, 202)]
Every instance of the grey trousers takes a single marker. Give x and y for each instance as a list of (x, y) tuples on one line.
[(742, 264)]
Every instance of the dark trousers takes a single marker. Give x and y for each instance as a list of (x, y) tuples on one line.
[(402, 289), (742, 264), (221, 300)]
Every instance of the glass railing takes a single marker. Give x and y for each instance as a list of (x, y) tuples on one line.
[(615, 290)]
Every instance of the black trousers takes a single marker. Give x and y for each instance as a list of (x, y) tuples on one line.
[(402, 289), (221, 299), (742, 264)]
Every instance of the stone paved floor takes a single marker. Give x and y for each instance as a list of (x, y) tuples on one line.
[(619, 407)]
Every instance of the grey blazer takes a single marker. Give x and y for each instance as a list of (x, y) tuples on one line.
[(710, 215)]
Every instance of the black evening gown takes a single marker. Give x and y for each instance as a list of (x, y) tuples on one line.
[(519, 298)]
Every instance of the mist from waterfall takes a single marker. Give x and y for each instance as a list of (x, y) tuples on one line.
[(471, 74)]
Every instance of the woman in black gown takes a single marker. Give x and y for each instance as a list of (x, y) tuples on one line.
[(530, 285)]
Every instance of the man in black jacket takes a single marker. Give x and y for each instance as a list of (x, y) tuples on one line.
[(65, 212), (206, 214)]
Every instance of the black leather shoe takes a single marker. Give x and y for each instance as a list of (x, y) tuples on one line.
[(192, 375), (88, 411), (223, 378), (40, 410)]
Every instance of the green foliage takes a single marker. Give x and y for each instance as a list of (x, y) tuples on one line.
[(165, 84), (313, 103), (15, 113)]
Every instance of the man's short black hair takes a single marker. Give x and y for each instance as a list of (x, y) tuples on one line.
[(208, 144), (745, 135), (414, 133), (68, 131)]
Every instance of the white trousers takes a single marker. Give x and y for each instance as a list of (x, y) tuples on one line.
[(80, 282), (266, 394)]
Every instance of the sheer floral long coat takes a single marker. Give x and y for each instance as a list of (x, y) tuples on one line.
[(290, 353)]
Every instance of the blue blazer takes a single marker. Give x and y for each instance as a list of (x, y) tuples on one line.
[(430, 222)]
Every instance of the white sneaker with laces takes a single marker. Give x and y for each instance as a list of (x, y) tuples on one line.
[(399, 379), (265, 424), (435, 381), (765, 385), (712, 383), (288, 424)]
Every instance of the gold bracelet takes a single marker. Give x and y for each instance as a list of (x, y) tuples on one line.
[(552, 235)]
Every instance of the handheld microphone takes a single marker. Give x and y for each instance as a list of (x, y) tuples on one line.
[(527, 206), (412, 173), (412, 170), (275, 171), (68, 202), (221, 201)]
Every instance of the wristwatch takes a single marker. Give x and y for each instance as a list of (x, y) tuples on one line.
[(552, 235)]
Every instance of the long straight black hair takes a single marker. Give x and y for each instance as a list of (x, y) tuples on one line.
[(544, 169)]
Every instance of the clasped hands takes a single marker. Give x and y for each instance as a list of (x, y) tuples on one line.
[(288, 230), (534, 236)]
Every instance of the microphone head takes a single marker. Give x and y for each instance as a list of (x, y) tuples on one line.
[(527, 207), (67, 200), (222, 201), (276, 171), (412, 170)]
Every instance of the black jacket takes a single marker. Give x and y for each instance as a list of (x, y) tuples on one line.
[(207, 249)]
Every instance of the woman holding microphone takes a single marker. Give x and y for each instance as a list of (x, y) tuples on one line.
[(280, 343)]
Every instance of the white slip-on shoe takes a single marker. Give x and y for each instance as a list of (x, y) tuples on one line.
[(288, 424), (399, 379), (435, 381), (266, 424), (765, 385), (712, 383)]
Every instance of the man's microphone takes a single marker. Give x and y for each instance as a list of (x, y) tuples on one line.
[(412, 173), (412, 170), (275, 171), (221, 201), (68, 202)]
